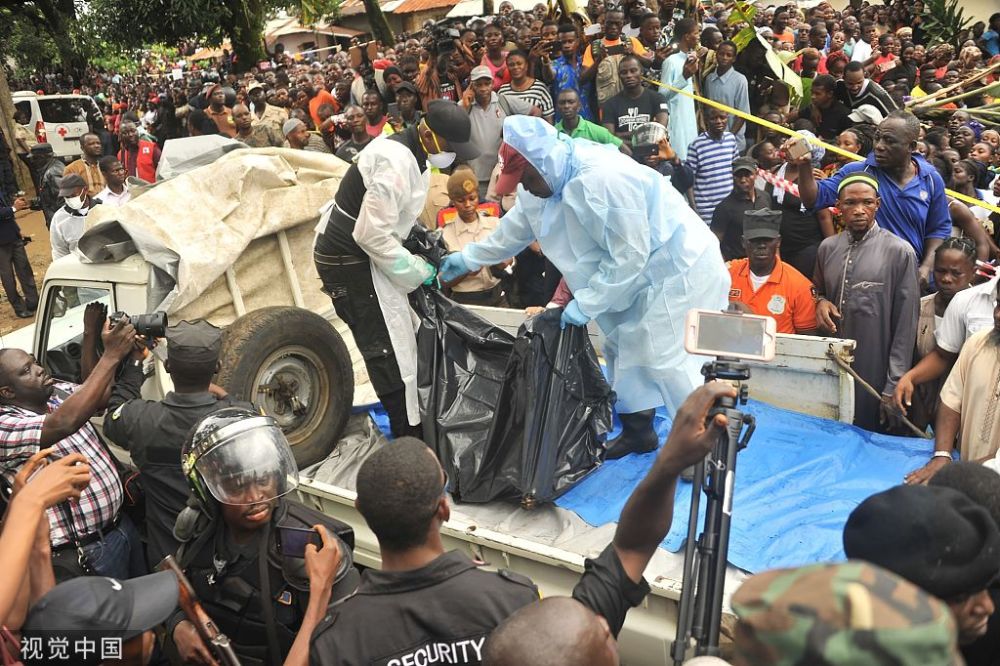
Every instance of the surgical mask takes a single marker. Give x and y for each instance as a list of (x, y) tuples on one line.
[(440, 159), (76, 203)]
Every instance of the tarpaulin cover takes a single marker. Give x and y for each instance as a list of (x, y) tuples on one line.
[(461, 367), (553, 411), (795, 486)]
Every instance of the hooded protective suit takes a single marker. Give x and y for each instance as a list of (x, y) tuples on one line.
[(632, 251)]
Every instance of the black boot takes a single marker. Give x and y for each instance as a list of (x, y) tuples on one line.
[(395, 407), (637, 435)]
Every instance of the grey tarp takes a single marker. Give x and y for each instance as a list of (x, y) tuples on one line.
[(195, 226)]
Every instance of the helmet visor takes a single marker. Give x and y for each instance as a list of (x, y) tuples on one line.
[(251, 463), (648, 134)]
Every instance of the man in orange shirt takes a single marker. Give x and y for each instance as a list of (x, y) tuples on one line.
[(764, 285), (317, 98)]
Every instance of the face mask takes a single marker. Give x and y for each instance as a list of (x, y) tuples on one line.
[(76, 203), (440, 159)]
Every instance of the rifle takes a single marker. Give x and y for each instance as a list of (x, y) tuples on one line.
[(209, 632)]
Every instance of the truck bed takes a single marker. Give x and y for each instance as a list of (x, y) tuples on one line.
[(548, 544)]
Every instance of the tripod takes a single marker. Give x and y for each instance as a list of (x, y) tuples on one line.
[(700, 608)]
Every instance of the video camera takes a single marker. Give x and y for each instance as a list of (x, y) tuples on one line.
[(443, 36), (152, 325)]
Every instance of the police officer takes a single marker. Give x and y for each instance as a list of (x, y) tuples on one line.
[(359, 254), (153, 432), (236, 538), (425, 605)]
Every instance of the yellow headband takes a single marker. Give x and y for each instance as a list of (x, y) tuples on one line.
[(858, 178)]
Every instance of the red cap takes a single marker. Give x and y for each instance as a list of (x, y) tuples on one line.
[(512, 165)]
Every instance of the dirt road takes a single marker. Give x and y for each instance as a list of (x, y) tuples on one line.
[(32, 224)]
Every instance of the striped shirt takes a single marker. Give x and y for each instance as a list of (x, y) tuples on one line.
[(537, 94), (20, 437), (711, 162)]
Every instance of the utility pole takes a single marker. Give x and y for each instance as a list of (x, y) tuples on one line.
[(7, 124)]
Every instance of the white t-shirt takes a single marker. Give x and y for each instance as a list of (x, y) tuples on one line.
[(758, 281), (970, 311), (862, 51)]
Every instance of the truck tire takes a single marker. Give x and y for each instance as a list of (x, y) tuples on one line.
[(294, 365)]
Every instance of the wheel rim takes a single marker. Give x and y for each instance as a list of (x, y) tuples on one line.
[(289, 387)]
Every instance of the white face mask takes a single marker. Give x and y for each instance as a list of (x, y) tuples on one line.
[(76, 203), (441, 160)]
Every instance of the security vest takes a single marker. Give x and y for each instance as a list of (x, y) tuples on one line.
[(144, 167)]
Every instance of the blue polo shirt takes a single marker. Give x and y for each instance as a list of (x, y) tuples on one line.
[(916, 212)]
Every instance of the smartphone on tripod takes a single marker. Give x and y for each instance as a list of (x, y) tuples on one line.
[(732, 337)]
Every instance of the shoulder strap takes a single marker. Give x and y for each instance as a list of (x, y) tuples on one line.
[(266, 601)]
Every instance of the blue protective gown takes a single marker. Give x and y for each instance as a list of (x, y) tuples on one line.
[(634, 254)]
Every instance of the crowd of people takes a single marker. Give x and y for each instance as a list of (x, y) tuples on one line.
[(895, 250)]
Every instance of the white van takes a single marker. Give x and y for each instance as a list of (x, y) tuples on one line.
[(59, 120)]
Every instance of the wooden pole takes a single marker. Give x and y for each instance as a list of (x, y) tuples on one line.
[(7, 124)]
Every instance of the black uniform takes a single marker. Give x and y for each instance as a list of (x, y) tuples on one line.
[(153, 433), (345, 271), (438, 614), (607, 590), (226, 578)]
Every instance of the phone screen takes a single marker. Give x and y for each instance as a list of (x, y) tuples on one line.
[(732, 335), (393, 110), (292, 541)]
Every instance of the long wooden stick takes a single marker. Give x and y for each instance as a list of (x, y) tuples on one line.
[(922, 101), (868, 387)]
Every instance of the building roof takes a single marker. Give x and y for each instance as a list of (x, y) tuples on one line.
[(355, 7), (289, 25), (410, 6)]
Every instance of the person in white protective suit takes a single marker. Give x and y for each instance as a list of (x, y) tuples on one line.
[(360, 258), (633, 253)]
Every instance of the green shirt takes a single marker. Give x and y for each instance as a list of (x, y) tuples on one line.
[(591, 132)]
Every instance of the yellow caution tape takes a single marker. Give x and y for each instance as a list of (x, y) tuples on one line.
[(813, 140)]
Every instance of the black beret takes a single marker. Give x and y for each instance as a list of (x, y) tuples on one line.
[(936, 538)]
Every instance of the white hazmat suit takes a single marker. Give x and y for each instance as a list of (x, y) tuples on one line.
[(634, 254)]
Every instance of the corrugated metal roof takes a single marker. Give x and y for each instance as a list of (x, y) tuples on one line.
[(410, 6)]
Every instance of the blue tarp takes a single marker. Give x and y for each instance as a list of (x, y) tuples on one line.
[(796, 483)]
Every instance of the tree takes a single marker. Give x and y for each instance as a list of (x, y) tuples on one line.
[(140, 22), (380, 26), (55, 17)]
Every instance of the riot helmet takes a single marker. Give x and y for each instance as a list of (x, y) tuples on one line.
[(238, 457), (646, 139)]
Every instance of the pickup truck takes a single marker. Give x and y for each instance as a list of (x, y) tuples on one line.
[(298, 361)]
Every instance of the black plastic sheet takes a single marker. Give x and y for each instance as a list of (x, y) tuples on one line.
[(521, 420), (460, 371), (552, 415)]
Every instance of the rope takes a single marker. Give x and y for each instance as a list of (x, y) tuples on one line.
[(836, 358), (812, 140)]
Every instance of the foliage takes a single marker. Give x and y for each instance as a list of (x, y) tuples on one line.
[(26, 43), (317, 12), (943, 21), (743, 12)]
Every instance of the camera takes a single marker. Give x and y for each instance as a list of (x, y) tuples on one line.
[(152, 325), (443, 36)]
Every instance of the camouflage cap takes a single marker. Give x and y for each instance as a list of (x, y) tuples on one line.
[(850, 613)]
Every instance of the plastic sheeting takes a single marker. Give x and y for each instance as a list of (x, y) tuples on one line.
[(796, 483), (551, 417)]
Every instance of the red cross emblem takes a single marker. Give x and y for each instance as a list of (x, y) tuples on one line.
[(61, 131)]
